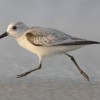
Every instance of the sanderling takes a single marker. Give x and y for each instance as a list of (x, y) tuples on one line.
[(45, 42)]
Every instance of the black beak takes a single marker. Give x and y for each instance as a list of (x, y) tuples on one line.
[(3, 35)]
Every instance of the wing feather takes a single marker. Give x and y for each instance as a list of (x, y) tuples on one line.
[(50, 37)]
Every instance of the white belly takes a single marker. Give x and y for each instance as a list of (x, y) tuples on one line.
[(46, 51)]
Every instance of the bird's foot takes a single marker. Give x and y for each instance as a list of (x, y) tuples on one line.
[(22, 75)]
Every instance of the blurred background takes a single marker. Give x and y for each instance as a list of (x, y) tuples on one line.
[(80, 18)]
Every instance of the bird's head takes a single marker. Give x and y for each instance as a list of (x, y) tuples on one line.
[(15, 30)]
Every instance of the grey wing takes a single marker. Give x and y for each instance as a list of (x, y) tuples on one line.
[(50, 37)]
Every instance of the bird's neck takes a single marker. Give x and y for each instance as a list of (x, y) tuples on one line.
[(20, 34)]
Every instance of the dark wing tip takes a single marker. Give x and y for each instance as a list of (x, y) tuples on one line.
[(93, 42), (86, 42)]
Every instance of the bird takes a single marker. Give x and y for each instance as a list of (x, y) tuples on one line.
[(45, 42)]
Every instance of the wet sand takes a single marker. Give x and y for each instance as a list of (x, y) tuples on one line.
[(49, 89)]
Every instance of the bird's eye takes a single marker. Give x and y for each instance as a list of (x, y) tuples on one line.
[(14, 27)]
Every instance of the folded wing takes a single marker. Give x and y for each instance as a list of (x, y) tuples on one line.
[(50, 37)]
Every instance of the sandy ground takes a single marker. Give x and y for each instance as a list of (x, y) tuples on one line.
[(49, 89)]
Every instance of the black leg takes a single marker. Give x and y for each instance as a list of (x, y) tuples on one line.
[(81, 71), (28, 72)]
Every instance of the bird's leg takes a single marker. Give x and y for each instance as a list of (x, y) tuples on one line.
[(81, 71), (30, 71)]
